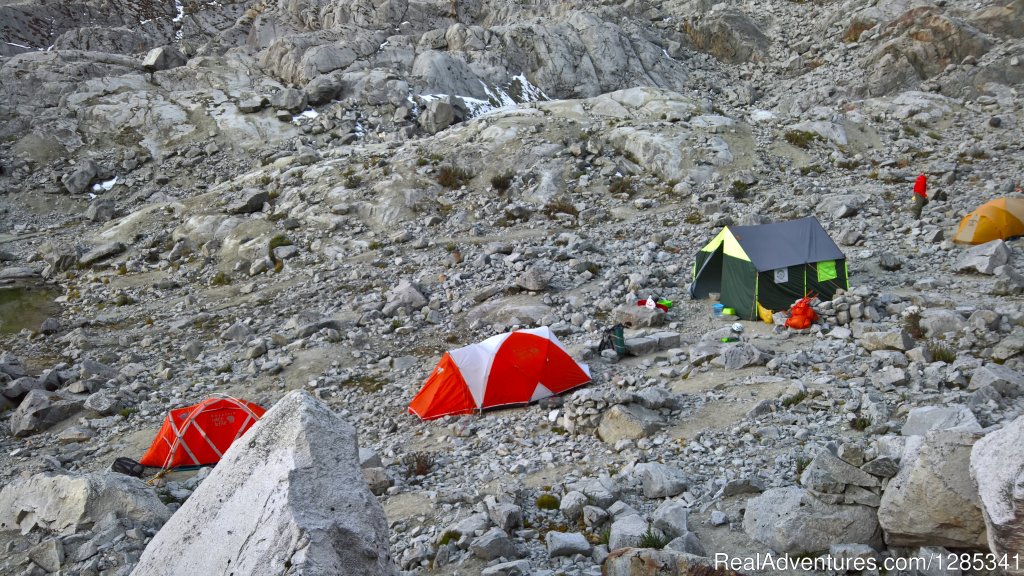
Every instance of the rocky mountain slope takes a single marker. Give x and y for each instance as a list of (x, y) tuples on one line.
[(253, 197)]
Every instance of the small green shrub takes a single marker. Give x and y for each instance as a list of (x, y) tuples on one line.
[(801, 464), (560, 206), (622, 185), (418, 463), (220, 279), (276, 242), (739, 189), (693, 217), (502, 182), (652, 539), (860, 424), (801, 138), (448, 537), (794, 399), (548, 502), (912, 324), (452, 177), (126, 412), (941, 352), (123, 299)]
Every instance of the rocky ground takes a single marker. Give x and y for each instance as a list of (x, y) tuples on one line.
[(252, 198)]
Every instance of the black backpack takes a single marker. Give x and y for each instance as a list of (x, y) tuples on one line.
[(128, 466)]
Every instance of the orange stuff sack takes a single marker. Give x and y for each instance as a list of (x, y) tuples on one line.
[(801, 315)]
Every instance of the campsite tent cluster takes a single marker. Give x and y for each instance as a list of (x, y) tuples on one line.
[(753, 269)]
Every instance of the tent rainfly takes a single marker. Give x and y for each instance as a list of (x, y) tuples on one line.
[(769, 264), (200, 434), (512, 368)]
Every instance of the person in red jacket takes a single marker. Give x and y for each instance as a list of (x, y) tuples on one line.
[(920, 195)]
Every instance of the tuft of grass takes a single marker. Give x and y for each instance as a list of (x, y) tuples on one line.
[(548, 502), (812, 169), (941, 352), (448, 537), (801, 138), (739, 189), (126, 412), (652, 539), (502, 182), (123, 299), (860, 424), (276, 242), (368, 383), (801, 464), (353, 181), (560, 206), (220, 279), (418, 464), (622, 185), (452, 177), (912, 324), (693, 217), (794, 399)]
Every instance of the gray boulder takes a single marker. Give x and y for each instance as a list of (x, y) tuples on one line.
[(932, 500), (997, 467), (40, 410), (436, 116), (633, 316), (671, 518), (938, 321), (534, 279), (791, 520), (924, 418), (77, 181), (163, 58), (1005, 380), (627, 532), (983, 258), (249, 200), (566, 543), (627, 422), (288, 496), (729, 35), (892, 340), (827, 473), (100, 210), (404, 296), (740, 355), (495, 543), (65, 504), (289, 99), (660, 480), (101, 252), (323, 89)]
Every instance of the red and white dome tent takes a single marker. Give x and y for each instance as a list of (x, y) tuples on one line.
[(513, 368)]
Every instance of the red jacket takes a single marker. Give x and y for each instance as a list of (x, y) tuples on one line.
[(920, 185)]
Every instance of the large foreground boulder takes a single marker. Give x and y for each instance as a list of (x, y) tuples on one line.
[(997, 466), (288, 496), (932, 500), (791, 520), (64, 504)]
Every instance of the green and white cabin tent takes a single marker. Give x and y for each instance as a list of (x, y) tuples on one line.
[(771, 264)]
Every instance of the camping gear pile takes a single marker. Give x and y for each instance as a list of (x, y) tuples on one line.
[(517, 367), (756, 269)]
